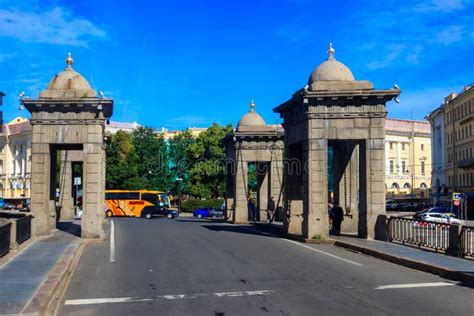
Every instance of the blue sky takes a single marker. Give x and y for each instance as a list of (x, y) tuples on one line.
[(189, 63)]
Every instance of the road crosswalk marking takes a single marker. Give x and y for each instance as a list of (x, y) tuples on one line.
[(110, 300)]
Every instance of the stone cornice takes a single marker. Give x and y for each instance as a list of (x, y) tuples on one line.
[(70, 105)]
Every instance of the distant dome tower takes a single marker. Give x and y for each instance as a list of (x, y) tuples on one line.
[(251, 118)]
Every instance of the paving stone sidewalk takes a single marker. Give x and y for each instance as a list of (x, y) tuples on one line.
[(28, 280)]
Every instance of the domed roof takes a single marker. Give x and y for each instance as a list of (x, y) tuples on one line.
[(251, 118), (331, 70), (68, 84)]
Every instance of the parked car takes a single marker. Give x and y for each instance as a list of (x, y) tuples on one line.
[(208, 212), (443, 218), (442, 210), (390, 205)]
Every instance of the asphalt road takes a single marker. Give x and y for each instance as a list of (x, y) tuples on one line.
[(198, 267)]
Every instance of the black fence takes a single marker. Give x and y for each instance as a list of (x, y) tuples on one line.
[(419, 233), (23, 229), (5, 238), (467, 241)]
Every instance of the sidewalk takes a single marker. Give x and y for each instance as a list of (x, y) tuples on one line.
[(446, 266), (28, 280)]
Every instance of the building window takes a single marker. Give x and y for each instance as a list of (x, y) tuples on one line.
[(422, 147), (423, 168), (403, 146), (403, 166), (423, 185), (395, 185), (391, 166), (391, 146), (406, 185)]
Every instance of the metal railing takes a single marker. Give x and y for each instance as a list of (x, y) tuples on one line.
[(419, 233), (467, 241), (5, 238), (23, 229)]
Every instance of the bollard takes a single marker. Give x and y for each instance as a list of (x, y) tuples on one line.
[(13, 228), (454, 240)]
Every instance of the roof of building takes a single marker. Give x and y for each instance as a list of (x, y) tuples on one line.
[(124, 125), (251, 118), (17, 126), (331, 70), (68, 84), (397, 125)]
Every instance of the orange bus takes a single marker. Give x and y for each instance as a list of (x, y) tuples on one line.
[(139, 203)]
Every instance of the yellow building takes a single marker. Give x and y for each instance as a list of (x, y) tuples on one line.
[(407, 158), (195, 131), (459, 121), (15, 159)]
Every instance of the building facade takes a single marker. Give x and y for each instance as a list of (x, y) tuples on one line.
[(459, 121), (407, 158), (15, 159), (438, 153)]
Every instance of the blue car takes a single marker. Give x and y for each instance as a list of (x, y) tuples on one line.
[(208, 212)]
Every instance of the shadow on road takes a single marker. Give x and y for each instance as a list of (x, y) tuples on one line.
[(69, 227), (239, 230)]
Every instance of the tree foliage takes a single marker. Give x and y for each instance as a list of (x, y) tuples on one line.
[(152, 153), (181, 165), (122, 164), (207, 168)]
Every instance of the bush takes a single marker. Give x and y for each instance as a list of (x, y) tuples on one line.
[(191, 205)]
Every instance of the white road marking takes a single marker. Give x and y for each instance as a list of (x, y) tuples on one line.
[(112, 242), (415, 285), (244, 293), (162, 297), (91, 301), (306, 246)]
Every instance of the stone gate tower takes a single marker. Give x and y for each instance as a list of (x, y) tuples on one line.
[(253, 142), (334, 147), (68, 116)]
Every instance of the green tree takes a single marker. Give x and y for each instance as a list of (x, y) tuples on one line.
[(153, 160), (121, 163), (207, 173), (180, 157)]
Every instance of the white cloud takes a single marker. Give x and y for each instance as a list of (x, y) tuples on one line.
[(441, 5), (5, 57), (56, 26)]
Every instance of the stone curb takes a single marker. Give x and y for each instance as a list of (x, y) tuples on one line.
[(410, 263), (40, 300)]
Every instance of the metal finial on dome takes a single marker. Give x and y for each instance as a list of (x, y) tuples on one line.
[(252, 105), (69, 60), (331, 51)]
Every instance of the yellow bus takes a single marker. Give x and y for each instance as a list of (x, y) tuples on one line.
[(139, 203)]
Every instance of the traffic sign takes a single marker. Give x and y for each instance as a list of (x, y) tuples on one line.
[(457, 196), (77, 180)]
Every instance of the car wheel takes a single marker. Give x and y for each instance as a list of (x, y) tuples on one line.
[(148, 215), (170, 216), (199, 215)]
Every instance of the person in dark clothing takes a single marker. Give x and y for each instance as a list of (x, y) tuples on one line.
[(337, 218), (270, 209), (252, 210)]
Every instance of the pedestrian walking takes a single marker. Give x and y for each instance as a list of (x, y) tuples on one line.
[(251, 207), (270, 210), (337, 218)]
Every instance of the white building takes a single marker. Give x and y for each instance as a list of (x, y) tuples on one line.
[(438, 152)]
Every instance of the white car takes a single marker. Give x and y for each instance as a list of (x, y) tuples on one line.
[(440, 218)]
